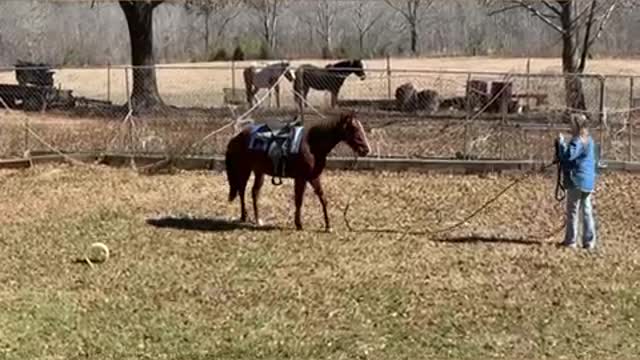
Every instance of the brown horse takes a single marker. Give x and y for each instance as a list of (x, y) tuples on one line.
[(304, 167)]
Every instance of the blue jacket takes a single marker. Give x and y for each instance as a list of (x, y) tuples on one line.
[(579, 164)]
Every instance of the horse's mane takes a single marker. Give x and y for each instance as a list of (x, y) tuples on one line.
[(347, 64), (329, 125)]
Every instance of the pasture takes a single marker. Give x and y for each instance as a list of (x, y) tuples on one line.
[(186, 282), (191, 285)]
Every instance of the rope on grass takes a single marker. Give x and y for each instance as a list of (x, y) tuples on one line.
[(458, 224)]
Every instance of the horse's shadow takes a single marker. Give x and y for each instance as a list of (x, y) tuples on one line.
[(206, 224)]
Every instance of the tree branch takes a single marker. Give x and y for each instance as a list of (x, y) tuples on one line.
[(551, 7), (398, 9), (504, 9), (603, 24), (535, 12), (587, 34)]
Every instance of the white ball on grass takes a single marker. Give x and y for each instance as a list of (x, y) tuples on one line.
[(98, 253)]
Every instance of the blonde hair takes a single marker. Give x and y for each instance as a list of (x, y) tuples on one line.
[(579, 123)]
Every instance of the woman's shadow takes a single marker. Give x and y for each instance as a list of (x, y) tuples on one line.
[(205, 224)]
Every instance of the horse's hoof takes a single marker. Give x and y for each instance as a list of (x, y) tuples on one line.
[(299, 227), (328, 230), (260, 223)]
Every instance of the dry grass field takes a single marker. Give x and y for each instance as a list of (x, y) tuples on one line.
[(190, 285), (185, 282)]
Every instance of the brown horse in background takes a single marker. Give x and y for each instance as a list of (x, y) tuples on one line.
[(304, 167)]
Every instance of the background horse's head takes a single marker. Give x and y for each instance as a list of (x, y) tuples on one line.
[(353, 133), (359, 67), (348, 67), (285, 67)]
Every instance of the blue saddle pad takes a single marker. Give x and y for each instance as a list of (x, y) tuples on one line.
[(262, 137)]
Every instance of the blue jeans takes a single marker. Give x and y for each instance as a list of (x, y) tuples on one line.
[(577, 199)]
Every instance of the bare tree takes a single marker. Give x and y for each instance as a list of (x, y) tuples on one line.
[(413, 13), (365, 17), (222, 12), (322, 20), (139, 16), (268, 13), (579, 24)]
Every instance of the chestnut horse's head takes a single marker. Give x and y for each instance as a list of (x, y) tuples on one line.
[(353, 134)]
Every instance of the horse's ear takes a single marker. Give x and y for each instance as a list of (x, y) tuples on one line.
[(348, 116)]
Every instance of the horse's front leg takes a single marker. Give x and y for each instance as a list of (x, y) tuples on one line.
[(317, 188), (300, 186)]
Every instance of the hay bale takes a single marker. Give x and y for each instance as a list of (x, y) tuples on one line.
[(428, 100), (406, 96)]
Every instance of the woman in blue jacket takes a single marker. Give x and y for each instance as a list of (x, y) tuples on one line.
[(578, 162)]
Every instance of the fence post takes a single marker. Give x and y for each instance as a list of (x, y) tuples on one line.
[(233, 77), (298, 96), (109, 81), (528, 87), (389, 76), (27, 150), (130, 107), (602, 116), (467, 108), (630, 120)]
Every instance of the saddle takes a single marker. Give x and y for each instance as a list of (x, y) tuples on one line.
[(278, 142)]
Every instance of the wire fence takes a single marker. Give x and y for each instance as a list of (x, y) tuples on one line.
[(407, 113)]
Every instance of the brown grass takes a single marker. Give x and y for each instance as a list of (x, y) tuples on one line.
[(492, 289)]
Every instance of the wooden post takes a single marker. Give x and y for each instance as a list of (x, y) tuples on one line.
[(109, 81), (26, 137), (630, 121), (467, 105), (297, 95), (126, 87), (503, 119), (388, 76), (233, 77), (130, 114), (527, 85), (602, 116)]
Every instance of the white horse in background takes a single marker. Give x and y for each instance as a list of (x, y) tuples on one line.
[(266, 78)]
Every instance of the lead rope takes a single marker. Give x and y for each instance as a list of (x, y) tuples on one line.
[(560, 192)]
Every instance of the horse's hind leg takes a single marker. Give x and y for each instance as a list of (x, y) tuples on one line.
[(243, 179), (300, 186), (255, 193), (277, 89)]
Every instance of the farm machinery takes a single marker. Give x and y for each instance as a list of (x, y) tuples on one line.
[(35, 90)]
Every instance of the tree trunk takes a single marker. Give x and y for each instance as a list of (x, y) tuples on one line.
[(207, 52), (139, 16), (414, 39), (574, 92)]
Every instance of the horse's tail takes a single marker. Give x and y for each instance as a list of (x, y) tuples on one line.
[(248, 74)]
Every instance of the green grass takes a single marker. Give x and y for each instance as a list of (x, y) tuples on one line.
[(246, 294)]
